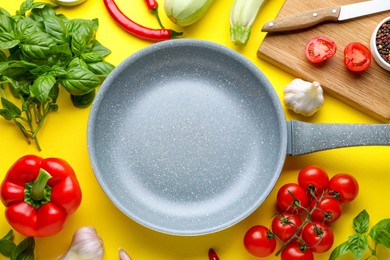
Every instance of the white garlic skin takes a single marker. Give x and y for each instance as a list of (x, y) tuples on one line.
[(123, 255), (303, 97), (86, 245)]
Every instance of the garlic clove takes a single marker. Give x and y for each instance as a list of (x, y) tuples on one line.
[(86, 245), (123, 255)]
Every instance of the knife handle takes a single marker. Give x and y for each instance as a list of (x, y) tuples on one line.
[(302, 20)]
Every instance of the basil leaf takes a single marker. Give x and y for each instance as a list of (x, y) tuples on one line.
[(7, 24), (8, 41), (77, 62), (41, 87), (25, 250), (361, 222), (37, 46), (55, 27), (79, 81), (90, 57), (83, 36), (358, 244), (101, 69), (9, 110), (340, 250), (39, 10), (25, 6), (4, 12), (7, 247), (9, 235), (100, 49), (380, 233), (26, 26), (18, 70)]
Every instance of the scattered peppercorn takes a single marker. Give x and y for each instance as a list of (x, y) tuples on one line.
[(383, 41)]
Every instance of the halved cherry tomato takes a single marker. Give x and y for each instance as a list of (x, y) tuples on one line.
[(357, 57), (286, 225), (259, 242), (320, 49)]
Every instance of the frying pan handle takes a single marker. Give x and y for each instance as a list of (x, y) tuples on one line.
[(305, 137)]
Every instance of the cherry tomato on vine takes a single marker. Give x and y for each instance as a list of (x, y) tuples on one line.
[(320, 49), (318, 237), (357, 57), (259, 241), (285, 225), (289, 195), (345, 185), (313, 177), (293, 252), (329, 209)]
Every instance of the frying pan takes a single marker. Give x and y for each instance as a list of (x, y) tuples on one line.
[(188, 137)]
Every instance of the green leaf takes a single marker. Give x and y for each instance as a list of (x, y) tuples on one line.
[(4, 12), (7, 247), (25, 6), (91, 57), (340, 250), (26, 26), (101, 69), (79, 81), (18, 70), (77, 62), (7, 40), (7, 24), (6, 244), (361, 223), (380, 233), (39, 10), (55, 27), (41, 87), (100, 49), (10, 110), (25, 250), (358, 244), (83, 36), (37, 46)]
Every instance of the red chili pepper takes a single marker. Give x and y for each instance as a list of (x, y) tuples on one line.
[(137, 29), (153, 6), (39, 195), (213, 255)]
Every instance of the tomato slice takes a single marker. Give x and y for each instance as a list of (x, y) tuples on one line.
[(320, 49), (357, 57)]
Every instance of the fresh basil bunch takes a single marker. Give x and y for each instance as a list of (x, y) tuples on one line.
[(358, 243), (41, 53)]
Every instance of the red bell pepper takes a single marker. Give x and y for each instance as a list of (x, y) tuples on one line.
[(39, 195)]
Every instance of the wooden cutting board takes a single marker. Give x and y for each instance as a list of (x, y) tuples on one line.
[(368, 91)]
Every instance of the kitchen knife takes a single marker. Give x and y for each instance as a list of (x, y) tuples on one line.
[(329, 14)]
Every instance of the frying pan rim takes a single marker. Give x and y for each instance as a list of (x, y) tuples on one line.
[(266, 85)]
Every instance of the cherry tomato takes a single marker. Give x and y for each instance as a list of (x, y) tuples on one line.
[(259, 242), (315, 177), (289, 194), (345, 185), (286, 225), (318, 237), (329, 209), (320, 49), (293, 252), (357, 57)]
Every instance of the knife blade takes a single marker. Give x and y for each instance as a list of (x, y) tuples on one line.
[(328, 14)]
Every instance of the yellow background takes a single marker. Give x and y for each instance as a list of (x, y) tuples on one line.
[(64, 136)]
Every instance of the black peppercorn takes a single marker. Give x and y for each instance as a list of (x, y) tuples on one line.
[(383, 41)]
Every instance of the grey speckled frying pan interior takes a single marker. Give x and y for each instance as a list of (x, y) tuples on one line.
[(187, 137)]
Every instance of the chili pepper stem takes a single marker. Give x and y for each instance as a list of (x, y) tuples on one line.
[(39, 185), (175, 34), (155, 12)]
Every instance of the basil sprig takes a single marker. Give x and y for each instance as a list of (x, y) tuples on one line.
[(358, 243), (41, 53)]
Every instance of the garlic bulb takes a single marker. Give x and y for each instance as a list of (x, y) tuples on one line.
[(86, 245), (303, 97)]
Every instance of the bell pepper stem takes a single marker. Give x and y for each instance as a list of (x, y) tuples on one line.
[(39, 185)]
